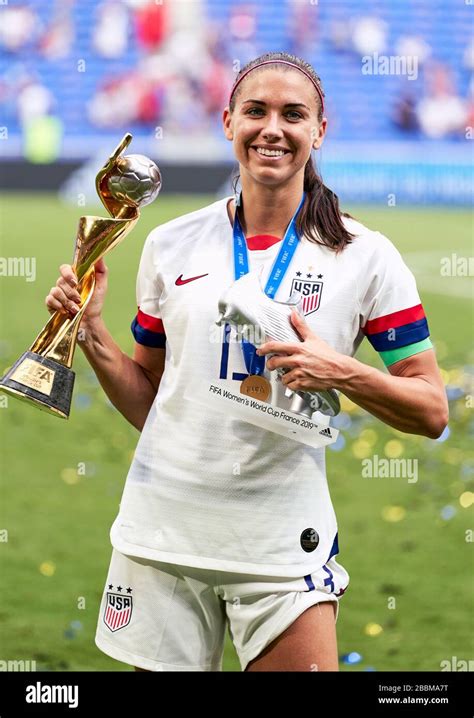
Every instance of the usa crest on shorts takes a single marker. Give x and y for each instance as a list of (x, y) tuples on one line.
[(118, 610), (310, 290)]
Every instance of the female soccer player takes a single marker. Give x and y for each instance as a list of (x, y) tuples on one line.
[(222, 522)]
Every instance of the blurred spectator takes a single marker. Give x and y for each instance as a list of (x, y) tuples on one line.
[(151, 25), (34, 100), (413, 46), (57, 39), (110, 29), (242, 33), (15, 78), (18, 28), (468, 57), (215, 88), (369, 35), (302, 28), (340, 35), (442, 112), (186, 52), (216, 81), (404, 115), (117, 102), (183, 111), (216, 42), (41, 130)]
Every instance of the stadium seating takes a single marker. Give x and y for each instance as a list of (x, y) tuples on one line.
[(360, 106)]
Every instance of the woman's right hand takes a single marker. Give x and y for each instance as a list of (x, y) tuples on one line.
[(65, 298)]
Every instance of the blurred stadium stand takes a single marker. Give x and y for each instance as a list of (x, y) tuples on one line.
[(75, 75)]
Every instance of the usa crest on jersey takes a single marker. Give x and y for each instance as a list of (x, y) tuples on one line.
[(118, 611), (310, 290)]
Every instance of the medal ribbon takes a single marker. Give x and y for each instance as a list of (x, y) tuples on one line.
[(254, 363)]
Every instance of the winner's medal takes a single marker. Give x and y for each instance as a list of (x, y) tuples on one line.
[(256, 386)]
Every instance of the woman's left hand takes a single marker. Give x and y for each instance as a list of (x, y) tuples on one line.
[(312, 364)]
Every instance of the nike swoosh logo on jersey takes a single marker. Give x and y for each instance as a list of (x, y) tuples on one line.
[(180, 279)]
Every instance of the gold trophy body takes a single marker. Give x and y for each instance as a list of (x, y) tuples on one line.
[(43, 375)]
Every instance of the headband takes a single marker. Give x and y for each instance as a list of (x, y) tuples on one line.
[(281, 62)]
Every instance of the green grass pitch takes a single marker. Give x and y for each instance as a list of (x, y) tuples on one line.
[(406, 545)]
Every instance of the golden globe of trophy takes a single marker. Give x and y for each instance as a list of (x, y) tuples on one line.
[(42, 376)]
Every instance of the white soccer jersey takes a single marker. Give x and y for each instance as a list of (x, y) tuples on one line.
[(205, 489)]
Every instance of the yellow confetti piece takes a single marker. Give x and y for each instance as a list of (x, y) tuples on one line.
[(369, 435), (70, 476), (466, 499), (393, 449), (347, 404), (393, 513), (361, 449), (373, 629), (456, 375), (47, 568), (444, 375)]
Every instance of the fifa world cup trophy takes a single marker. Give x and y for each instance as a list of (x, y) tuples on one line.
[(42, 376)]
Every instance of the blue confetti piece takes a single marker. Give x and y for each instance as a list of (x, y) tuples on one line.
[(467, 470), (351, 658), (338, 444), (342, 421), (447, 512), (454, 392)]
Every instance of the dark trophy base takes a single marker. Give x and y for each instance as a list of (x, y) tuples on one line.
[(42, 382)]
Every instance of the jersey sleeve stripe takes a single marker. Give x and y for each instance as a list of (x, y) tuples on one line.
[(397, 337), (148, 322), (395, 355), (148, 330), (147, 337), (394, 320)]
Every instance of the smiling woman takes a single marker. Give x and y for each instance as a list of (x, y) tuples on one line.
[(222, 522), (287, 92)]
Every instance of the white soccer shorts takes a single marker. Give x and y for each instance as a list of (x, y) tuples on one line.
[(166, 617)]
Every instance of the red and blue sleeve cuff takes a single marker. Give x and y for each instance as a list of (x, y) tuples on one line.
[(148, 330), (398, 329)]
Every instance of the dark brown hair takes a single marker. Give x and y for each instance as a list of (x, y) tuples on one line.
[(320, 218)]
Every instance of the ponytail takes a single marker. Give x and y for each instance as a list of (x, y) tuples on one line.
[(320, 219)]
